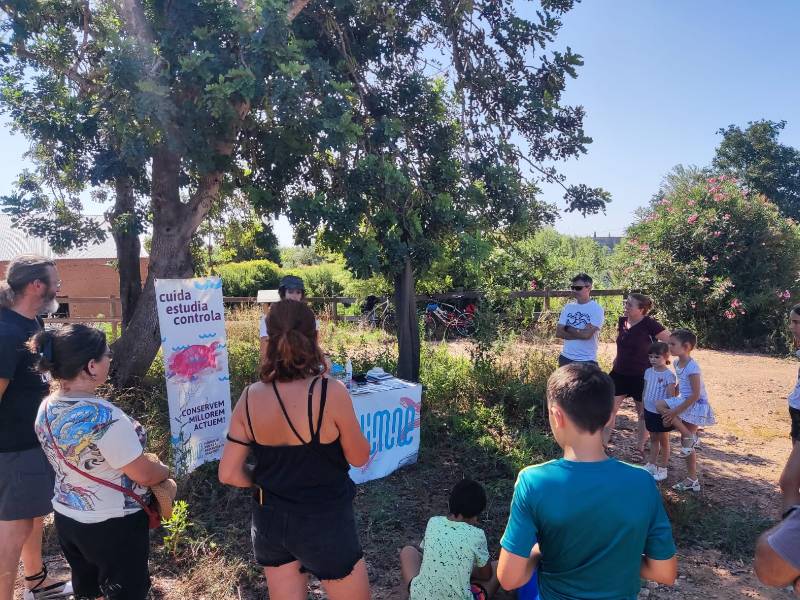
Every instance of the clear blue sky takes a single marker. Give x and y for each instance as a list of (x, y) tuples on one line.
[(660, 78)]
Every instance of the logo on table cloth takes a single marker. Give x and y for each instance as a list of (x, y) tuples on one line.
[(386, 429)]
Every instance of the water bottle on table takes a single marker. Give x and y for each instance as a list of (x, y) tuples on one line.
[(348, 374)]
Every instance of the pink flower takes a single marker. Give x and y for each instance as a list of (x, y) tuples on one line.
[(784, 295), (533, 284), (719, 197), (736, 303), (711, 180), (692, 218), (665, 202), (693, 304), (691, 203), (726, 217), (644, 248), (716, 234), (715, 258), (729, 314)]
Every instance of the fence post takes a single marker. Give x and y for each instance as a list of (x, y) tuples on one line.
[(113, 314), (335, 304), (546, 299)]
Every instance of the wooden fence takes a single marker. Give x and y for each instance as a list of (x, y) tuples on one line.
[(330, 302)]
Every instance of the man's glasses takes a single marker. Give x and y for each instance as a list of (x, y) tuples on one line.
[(578, 288)]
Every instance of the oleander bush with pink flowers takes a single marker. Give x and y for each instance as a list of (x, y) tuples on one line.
[(718, 259)]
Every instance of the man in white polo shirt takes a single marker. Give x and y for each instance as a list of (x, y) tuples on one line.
[(579, 324)]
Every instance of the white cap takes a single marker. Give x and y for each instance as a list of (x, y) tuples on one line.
[(267, 296)]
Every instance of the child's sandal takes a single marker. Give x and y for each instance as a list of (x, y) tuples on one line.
[(687, 485), (687, 451)]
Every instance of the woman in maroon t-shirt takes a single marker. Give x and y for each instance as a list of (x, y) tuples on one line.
[(635, 332)]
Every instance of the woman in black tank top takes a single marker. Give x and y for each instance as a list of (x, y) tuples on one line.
[(302, 431)]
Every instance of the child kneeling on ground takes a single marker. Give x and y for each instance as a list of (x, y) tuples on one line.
[(590, 525), (454, 564)]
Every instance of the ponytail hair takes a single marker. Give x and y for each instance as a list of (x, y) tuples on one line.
[(22, 270), (292, 348), (66, 351), (645, 302)]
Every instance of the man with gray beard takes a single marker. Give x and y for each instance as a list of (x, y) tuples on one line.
[(26, 478)]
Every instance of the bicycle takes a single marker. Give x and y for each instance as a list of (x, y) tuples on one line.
[(378, 314), (447, 317)]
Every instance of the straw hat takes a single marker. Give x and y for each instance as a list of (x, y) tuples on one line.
[(163, 492)]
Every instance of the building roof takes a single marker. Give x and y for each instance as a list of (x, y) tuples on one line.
[(14, 241)]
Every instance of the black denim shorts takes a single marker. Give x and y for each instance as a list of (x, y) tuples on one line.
[(794, 415), (326, 544), (654, 423)]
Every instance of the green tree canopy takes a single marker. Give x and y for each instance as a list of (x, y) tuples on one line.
[(755, 157), (170, 106), (717, 258)]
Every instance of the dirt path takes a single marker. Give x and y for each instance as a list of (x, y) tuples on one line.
[(740, 462)]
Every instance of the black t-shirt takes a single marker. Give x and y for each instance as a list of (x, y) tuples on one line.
[(632, 345), (26, 388)]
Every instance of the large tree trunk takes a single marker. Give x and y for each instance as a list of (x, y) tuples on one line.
[(125, 229), (174, 223), (407, 324)]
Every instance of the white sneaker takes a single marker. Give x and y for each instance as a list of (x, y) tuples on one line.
[(650, 468), (660, 474)]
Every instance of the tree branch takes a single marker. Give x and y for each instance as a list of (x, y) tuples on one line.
[(85, 85), (295, 8)]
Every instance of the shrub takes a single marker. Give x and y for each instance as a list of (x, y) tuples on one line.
[(246, 278), (718, 259)]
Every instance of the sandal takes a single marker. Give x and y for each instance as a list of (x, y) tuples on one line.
[(687, 485), (688, 450), (60, 589)]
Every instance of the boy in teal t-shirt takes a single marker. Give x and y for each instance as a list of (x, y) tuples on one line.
[(590, 524), (455, 564)]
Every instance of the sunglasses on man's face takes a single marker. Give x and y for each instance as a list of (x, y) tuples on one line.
[(578, 288)]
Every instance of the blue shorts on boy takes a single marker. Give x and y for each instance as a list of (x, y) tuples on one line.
[(451, 549), (593, 522)]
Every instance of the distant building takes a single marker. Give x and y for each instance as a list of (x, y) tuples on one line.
[(608, 241), (88, 272)]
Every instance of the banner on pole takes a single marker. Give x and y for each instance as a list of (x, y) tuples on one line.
[(191, 317)]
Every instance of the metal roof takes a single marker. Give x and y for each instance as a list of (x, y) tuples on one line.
[(14, 241)]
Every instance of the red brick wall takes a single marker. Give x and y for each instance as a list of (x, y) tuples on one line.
[(88, 277)]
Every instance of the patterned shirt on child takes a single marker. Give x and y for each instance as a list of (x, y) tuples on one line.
[(99, 439), (655, 387), (451, 549)]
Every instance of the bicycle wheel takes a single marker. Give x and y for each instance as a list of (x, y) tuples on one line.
[(465, 326), (389, 325), (430, 326)]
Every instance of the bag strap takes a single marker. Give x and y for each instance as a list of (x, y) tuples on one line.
[(130, 493)]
